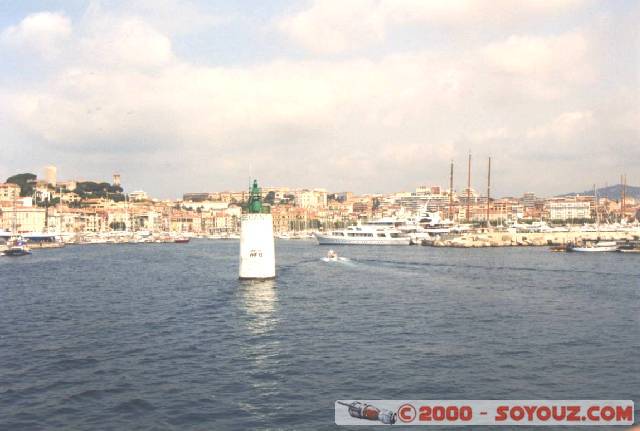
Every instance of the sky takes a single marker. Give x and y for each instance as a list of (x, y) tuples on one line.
[(370, 96)]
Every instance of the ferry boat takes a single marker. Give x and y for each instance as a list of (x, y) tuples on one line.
[(16, 246), (372, 233)]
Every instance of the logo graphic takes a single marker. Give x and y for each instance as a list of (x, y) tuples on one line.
[(406, 413)]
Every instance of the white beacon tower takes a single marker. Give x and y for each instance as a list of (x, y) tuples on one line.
[(257, 251)]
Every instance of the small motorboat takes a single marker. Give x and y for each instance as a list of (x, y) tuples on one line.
[(182, 240), (332, 256)]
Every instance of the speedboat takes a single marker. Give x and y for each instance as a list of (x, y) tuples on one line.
[(332, 256)]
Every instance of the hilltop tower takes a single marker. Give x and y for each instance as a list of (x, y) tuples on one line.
[(51, 175), (257, 250)]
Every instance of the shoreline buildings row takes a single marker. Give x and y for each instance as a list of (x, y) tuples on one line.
[(91, 207)]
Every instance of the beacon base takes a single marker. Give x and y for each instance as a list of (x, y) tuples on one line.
[(257, 253)]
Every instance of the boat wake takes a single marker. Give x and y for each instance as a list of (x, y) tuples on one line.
[(336, 259)]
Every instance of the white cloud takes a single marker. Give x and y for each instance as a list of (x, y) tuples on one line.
[(565, 127), (540, 56), (384, 122), (126, 42), (43, 32), (331, 26), (334, 26)]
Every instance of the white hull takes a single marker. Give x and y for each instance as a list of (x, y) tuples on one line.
[(595, 249), (335, 240)]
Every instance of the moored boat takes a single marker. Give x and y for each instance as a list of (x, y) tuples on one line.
[(365, 234), (594, 246), (629, 247)]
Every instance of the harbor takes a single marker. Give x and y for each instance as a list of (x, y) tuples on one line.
[(306, 215), (50, 213)]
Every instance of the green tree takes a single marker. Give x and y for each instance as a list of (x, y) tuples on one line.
[(25, 181), (91, 189), (270, 197)]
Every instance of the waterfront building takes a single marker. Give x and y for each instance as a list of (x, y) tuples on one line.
[(292, 218), (27, 218), (500, 210), (316, 198), (430, 198), (529, 200), (9, 191), (570, 208)]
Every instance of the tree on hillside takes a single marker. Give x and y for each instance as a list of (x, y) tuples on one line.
[(25, 181), (91, 189), (270, 197)]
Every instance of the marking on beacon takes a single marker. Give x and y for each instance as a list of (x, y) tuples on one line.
[(257, 251)]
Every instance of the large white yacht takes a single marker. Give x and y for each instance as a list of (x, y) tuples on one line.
[(380, 232)]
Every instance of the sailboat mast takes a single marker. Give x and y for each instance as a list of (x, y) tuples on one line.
[(488, 191), (451, 192), (14, 227), (595, 197), (469, 189), (621, 195)]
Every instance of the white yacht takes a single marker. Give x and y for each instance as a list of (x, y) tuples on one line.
[(427, 226), (381, 232)]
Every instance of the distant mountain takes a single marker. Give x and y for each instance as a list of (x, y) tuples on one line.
[(611, 192)]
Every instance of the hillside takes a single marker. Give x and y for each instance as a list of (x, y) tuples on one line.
[(611, 192)]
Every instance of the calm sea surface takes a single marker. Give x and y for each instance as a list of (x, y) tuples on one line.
[(164, 336)]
